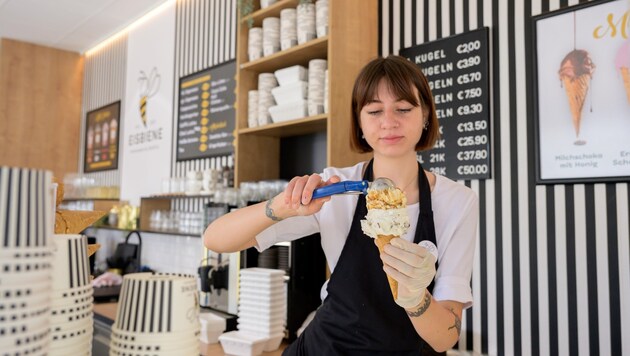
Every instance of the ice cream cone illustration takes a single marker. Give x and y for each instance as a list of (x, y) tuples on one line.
[(387, 218), (576, 71), (622, 62)]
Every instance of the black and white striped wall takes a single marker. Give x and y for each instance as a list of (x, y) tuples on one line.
[(104, 78), (552, 266), (205, 36)]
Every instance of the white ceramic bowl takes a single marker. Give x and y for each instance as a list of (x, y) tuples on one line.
[(289, 111), (290, 93), (242, 344), (291, 74)]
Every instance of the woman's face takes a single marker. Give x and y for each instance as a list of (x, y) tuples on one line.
[(391, 126)]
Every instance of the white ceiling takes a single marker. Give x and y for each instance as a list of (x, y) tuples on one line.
[(74, 25)]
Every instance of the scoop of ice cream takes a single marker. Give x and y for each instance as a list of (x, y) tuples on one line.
[(385, 222), (622, 60), (576, 63), (392, 198), (387, 213)]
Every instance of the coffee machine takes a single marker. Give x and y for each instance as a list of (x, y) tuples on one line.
[(218, 275)]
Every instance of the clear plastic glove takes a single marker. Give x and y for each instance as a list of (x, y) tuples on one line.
[(413, 266), (107, 279)]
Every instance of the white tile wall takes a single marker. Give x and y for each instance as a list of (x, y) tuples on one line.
[(162, 253)]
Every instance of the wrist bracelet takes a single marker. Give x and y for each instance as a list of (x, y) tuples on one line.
[(269, 211)]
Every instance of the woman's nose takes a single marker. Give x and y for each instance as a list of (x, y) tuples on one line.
[(389, 119)]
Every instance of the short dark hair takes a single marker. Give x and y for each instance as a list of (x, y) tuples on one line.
[(402, 76)]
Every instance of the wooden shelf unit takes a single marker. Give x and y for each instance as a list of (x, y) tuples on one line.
[(351, 42)]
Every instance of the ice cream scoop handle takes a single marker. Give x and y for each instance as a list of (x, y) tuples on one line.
[(345, 187)]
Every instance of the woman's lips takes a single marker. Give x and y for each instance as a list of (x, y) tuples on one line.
[(391, 139)]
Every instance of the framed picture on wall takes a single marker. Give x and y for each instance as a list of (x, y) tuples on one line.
[(100, 151), (581, 93)]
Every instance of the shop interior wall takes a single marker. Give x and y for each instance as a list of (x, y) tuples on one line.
[(40, 106), (205, 36), (552, 269)]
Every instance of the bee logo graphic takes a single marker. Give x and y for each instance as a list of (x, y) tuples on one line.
[(149, 86)]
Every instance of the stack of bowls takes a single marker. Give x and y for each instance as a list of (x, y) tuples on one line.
[(71, 320), (26, 203), (321, 17), (306, 23), (252, 108), (255, 43), (271, 35), (262, 305), (158, 314), (316, 75), (288, 28), (266, 82)]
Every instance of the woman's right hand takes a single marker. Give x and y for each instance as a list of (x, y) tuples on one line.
[(298, 193)]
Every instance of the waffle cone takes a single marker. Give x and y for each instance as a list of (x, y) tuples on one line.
[(92, 248), (73, 222), (576, 89), (381, 241), (625, 74)]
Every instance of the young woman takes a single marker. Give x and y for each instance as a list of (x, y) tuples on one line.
[(393, 116)]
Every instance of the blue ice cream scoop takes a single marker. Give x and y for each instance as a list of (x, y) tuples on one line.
[(353, 187)]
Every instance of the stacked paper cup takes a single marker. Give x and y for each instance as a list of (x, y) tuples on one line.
[(255, 43), (316, 75), (266, 82), (271, 35), (252, 108), (158, 314), (71, 322), (306, 23), (262, 305), (321, 17), (288, 28), (26, 222)]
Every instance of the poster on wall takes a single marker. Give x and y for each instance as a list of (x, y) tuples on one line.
[(457, 68), (206, 115), (582, 93), (148, 111), (101, 139)]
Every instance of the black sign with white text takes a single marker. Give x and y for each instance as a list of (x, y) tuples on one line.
[(457, 69), (206, 115)]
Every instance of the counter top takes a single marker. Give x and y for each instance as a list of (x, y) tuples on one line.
[(106, 312)]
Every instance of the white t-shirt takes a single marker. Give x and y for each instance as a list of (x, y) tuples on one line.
[(455, 214)]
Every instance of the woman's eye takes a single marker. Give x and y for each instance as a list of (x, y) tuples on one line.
[(404, 111), (373, 112)]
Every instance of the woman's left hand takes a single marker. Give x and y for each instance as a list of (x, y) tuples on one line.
[(412, 266)]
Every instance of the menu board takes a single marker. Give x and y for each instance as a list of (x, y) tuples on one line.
[(457, 69), (101, 138), (206, 115)]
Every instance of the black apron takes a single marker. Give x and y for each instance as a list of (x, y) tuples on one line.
[(359, 315)]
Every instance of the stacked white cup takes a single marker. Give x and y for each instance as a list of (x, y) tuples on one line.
[(26, 222), (321, 18), (271, 35), (255, 43), (158, 314), (288, 28), (252, 108), (316, 75), (306, 23), (72, 319), (262, 305), (266, 82)]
